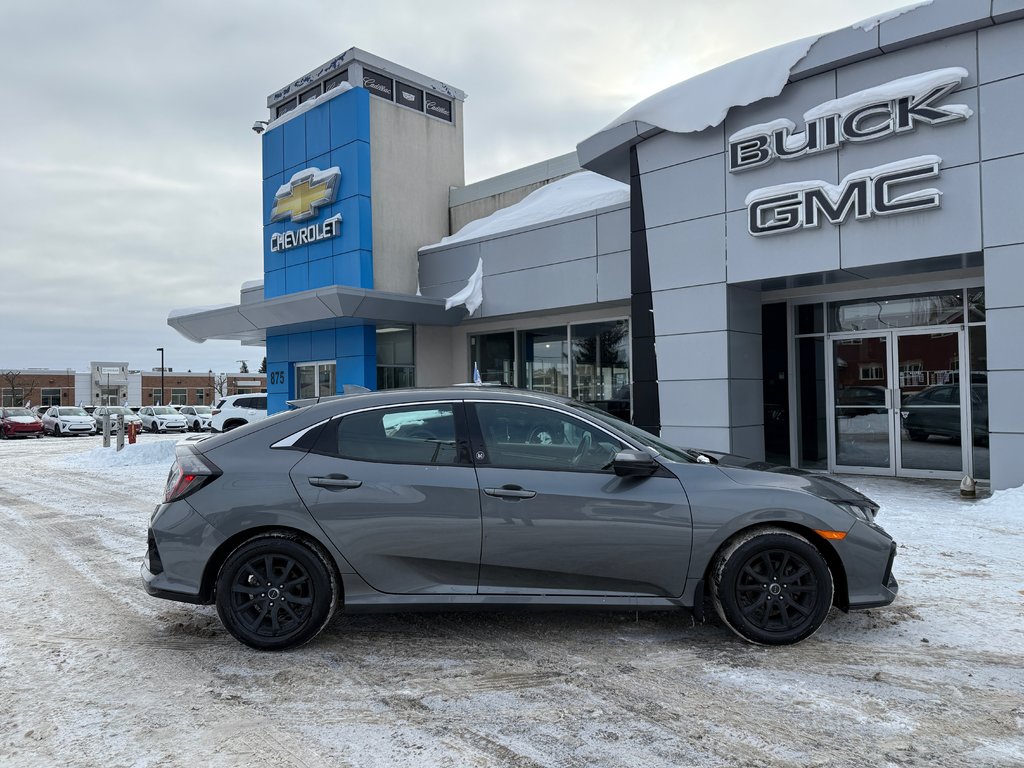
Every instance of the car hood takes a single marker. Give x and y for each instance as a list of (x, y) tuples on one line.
[(747, 471), (22, 419), (169, 417)]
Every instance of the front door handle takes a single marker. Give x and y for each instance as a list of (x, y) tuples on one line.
[(510, 492), (334, 481)]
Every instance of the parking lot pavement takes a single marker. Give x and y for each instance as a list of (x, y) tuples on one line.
[(96, 673)]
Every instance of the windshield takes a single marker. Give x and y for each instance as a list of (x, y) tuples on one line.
[(17, 412), (163, 410), (670, 452), (72, 412), (203, 409), (113, 410)]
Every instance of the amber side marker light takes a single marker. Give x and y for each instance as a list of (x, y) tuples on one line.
[(833, 535)]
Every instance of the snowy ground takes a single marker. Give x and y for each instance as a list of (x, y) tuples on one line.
[(93, 672)]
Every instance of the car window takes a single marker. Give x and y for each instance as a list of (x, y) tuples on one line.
[(259, 403), (420, 434), (529, 437)]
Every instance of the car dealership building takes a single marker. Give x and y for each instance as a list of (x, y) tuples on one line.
[(813, 255)]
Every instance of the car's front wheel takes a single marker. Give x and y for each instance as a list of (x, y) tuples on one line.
[(771, 586), (276, 592)]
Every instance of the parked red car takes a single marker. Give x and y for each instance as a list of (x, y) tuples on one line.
[(19, 422)]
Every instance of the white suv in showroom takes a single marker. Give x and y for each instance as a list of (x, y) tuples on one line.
[(237, 410)]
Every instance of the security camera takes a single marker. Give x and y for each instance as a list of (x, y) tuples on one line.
[(259, 126)]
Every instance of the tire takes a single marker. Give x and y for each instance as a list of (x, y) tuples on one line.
[(307, 583), (229, 425), (3, 434), (57, 431), (771, 586)]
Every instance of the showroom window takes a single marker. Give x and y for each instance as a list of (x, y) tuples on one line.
[(49, 396), (179, 396), (396, 357), (587, 361), (200, 397)]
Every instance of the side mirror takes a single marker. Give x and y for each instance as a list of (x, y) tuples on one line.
[(630, 463)]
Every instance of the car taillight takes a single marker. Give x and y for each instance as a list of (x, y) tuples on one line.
[(190, 472)]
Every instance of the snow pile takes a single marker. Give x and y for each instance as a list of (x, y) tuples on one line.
[(472, 296), (703, 101), (139, 454), (575, 194), (872, 22), (1010, 502)]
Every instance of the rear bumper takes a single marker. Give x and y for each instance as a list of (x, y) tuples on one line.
[(180, 544)]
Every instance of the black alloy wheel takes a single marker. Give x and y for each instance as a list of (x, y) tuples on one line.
[(772, 587), (276, 592)]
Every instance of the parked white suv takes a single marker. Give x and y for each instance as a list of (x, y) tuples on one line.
[(162, 418), (237, 410), (61, 420), (197, 416)]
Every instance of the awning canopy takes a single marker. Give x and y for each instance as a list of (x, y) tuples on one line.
[(316, 309)]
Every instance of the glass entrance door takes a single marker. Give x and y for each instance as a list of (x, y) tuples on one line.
[(862, 422), (931, 413), (898, 403)]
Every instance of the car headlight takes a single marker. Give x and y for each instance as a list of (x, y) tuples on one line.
[(867, 514)]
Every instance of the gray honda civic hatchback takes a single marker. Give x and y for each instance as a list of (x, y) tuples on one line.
[(465, 497)]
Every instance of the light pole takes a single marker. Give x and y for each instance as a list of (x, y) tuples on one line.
[(161, 351)]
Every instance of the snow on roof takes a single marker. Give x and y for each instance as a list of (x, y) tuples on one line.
[(703, 101), (871, 22), (568, 196)]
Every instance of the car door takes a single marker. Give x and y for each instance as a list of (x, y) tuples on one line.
[(395, 490), (556, 518)]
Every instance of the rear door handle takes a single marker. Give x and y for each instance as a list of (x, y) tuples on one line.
[(510, 492), (340, 482)]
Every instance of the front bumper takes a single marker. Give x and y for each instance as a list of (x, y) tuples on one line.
[(172, 426), (868, 554)]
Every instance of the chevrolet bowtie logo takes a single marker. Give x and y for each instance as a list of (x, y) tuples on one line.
[(301, 198)]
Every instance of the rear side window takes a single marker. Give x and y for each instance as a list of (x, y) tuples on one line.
[(259, 403), (423, 434)]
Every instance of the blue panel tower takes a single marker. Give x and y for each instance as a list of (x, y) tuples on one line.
[(318, 232)]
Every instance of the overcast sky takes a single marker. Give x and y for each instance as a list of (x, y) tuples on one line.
[(131, 178)]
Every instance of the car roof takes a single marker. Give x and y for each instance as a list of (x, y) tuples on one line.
[(428, 394)]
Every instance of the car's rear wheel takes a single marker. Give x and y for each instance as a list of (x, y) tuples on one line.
[(276, 592), (229, 425), (771, 586)]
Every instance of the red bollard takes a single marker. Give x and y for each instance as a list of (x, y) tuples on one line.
[(131, 433)]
